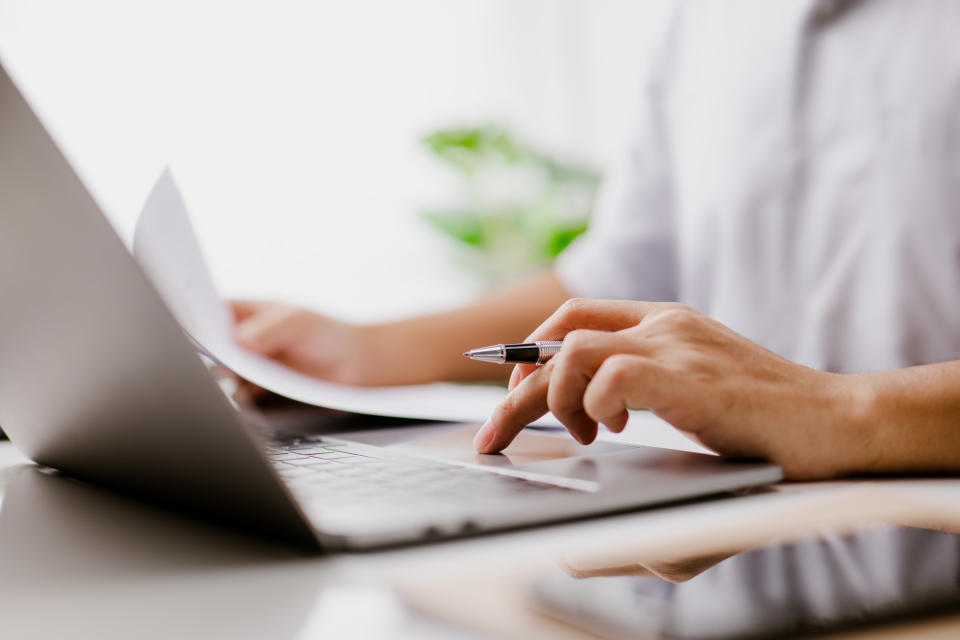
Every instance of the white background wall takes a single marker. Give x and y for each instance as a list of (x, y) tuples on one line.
[(293, 127)]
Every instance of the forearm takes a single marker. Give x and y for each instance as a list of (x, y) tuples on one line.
[(428, 348), (908, 420)]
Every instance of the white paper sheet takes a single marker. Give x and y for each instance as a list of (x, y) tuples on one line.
[(168, 250)]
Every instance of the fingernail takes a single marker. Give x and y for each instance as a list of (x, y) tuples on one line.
[(484, 437)]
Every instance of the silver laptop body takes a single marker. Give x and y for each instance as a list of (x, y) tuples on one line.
[(99, 381)]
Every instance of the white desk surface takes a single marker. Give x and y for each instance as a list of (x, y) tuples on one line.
[(79, 562)]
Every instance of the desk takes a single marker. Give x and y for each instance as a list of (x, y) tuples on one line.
[(79, 562)]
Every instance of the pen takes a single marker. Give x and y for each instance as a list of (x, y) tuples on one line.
[(530, 352)]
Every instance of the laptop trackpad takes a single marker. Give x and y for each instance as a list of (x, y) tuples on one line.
[(550, 457), (528, 448)]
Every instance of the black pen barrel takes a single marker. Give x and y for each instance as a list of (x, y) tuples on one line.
[(528, 353)]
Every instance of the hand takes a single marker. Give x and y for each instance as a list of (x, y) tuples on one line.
[(730, 393), (308, 342), (672, 570)]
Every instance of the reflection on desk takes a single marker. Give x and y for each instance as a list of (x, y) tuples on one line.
[(64, 546), (80, 562), (877, 575)]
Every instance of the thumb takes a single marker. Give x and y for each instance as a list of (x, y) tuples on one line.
[(270, 330)]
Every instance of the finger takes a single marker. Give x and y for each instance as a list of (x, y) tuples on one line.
[(247, 394), (601, 315), (622, 382), (634, 569), (583, 353), (684, 569), (522, 406), (520, 372), (252, 390), (271, 330), (243, 309), (579, 313)]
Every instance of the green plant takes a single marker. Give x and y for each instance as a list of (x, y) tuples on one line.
[(518, 207)]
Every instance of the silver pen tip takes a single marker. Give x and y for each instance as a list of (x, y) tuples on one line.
[(493, 353)]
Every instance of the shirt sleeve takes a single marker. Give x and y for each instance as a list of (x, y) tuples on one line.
[(628, 250)]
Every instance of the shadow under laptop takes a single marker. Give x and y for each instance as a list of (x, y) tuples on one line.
[(76, 557)]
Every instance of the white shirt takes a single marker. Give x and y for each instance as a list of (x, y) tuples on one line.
[(796, 175)]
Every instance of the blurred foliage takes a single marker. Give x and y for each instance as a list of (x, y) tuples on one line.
[(517, 208)]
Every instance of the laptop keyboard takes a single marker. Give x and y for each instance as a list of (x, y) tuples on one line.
[(331, 474)]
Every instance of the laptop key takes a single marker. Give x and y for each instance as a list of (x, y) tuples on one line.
[(283, 456), (334, 477)]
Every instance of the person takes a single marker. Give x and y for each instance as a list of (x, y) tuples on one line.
[(774, 267)]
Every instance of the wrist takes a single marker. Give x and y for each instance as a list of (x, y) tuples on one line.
[(394, 353), (862, 447), (349, 356)]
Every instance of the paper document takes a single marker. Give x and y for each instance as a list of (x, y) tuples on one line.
[(168, 250)]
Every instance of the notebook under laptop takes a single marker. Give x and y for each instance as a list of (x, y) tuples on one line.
[(98, 380)]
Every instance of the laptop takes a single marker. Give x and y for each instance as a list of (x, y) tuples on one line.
[(99, 381)]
